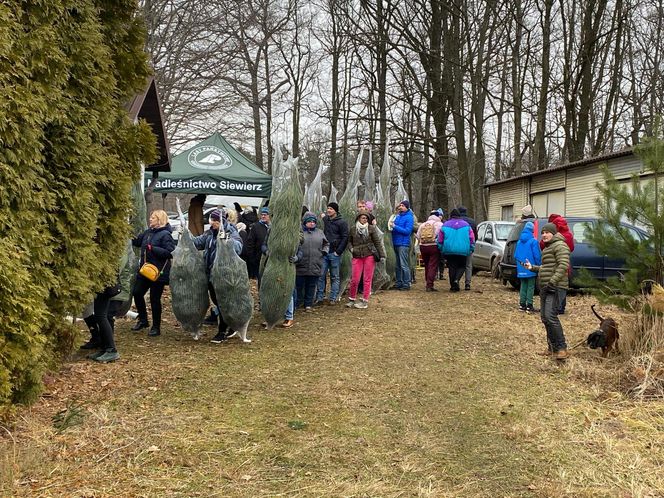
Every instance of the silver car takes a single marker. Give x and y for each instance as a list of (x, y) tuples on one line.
[(490, 243)]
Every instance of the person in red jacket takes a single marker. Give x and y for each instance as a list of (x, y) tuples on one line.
[(563, 229)]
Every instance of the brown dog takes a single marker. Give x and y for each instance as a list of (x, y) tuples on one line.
[(605, 336)]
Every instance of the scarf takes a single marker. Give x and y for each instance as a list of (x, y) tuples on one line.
[(362, 230)]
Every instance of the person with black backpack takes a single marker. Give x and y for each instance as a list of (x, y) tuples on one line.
[(427, 234)]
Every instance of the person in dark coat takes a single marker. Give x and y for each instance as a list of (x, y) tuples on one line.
[(255, 240), (336, 233), (469, 259), (157, 246), (309, 260), (208, 243)]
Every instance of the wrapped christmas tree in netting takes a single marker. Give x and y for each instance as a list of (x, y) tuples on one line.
[(128, 272), (230, 280), (278, 280), (333, 193), (313, 198), (369, 180), (188, 281), (382, 211), (401, 194), (138, 220), (348, 209)]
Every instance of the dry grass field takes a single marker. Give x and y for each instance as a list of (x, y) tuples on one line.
[(423, 394)]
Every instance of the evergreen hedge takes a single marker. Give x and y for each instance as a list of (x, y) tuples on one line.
[(68, 157)]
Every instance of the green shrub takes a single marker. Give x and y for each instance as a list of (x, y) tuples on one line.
[(68, 159)]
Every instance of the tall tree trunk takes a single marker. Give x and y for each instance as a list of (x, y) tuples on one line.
[(545, 77)]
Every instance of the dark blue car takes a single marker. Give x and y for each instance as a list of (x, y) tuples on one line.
[(583, 256)]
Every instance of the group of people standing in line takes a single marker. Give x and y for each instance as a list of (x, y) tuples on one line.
[(440, 241)]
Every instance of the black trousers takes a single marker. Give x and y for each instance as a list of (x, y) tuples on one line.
[(156, 290), (101, 304), (223, 326), (457, 267)]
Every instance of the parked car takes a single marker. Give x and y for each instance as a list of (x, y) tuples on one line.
[(584, 255), (490, 243)]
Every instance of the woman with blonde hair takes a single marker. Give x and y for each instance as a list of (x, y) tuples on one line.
[(156, 245)]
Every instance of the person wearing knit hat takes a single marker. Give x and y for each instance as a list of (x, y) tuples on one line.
[(527, 212), (335, 229), (463, 214), (309, 261), (208, 243), (456, 241), (402, 229), (215, 215), (553, 284)]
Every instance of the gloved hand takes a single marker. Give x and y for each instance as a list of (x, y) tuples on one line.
[(549, 289), (292, 259)]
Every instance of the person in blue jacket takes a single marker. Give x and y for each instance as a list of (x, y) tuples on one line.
[(527, 249), (402, 229), (208, 243)]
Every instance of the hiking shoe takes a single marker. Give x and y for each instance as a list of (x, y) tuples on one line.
[(219, 338), (154, 332), (332, 302), (350, 303), (140, 325), (546, 352), (522, 307), (108, 356), (91, 345), (287, 324), (561, 355), (361, 304), (308, 309), (95, 355), (531, 309), (467, 287), (431, 289), (404, 288)]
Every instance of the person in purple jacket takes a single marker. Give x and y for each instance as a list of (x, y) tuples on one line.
[(456, 241), (527, 249), (402, 229)]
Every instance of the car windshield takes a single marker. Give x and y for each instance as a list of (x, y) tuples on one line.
[(503, 230)]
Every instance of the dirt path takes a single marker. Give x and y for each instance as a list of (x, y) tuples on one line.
[(423, 394)]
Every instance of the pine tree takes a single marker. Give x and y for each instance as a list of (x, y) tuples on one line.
[(639, 202)]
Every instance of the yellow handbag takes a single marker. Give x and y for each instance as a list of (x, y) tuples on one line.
[(150, 271)]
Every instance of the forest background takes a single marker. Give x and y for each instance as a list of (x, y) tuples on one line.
[(466, 91)]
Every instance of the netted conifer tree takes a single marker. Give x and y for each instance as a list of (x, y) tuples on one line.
[(68, 157)]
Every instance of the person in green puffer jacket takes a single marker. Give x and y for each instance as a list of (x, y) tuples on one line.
[(553, 284)]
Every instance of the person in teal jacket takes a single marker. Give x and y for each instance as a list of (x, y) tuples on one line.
[(456, 241)]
